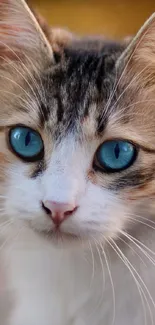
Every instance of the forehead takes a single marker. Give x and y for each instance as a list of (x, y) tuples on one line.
[(78, 87)]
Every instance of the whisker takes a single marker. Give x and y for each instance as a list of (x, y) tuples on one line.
[(131, 248), (130, 83), (103, 277), (116, 84), (141, 222), (139, 277), (15, 83), (141, 217), (112, 284), (5, 223), (12, 239), (30, 74), (119, 112), (3, 196), (102, 266), (93, 262), (38, 75), (142, 244), (4, 226), (14, 66), (137, 242), (19, 59), (139, 288)]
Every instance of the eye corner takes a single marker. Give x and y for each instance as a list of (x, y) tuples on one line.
[(17, 144), (115, 155)]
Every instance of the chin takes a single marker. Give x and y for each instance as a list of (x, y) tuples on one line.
[(69, 235), (60, 238)]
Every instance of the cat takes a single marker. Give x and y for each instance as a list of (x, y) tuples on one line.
[(77, 144)]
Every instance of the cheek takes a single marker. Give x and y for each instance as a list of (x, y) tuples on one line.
[(144, 191), (6, 158), (4, 163), (100, 212), (23, 194)]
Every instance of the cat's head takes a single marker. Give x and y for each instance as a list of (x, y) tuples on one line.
[(77, 130)]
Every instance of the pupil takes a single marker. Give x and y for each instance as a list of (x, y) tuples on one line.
[(27, 139), (117, 151)]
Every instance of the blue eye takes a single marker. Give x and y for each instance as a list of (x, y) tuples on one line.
[(115, 155), (26, 143)]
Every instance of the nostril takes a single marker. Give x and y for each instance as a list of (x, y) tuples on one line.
[(58, 211), (68, 213), (46, 209)]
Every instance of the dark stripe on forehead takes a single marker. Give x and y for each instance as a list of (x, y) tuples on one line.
[(82, 77), (101, 124), (44, 113), (60, 108), (89, 66), (45, 110)]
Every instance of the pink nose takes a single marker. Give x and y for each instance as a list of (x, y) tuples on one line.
[(59, 211)]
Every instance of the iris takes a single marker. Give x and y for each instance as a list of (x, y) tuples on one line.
[(26, 143), (115, 155)]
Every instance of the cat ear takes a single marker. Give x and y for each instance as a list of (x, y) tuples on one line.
[(21, 34), (140, 54), (58, 37), (127, 40)]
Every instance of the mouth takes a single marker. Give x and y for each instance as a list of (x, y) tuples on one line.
[(58, 236)]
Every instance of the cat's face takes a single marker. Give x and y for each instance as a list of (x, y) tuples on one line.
[(77, 137)]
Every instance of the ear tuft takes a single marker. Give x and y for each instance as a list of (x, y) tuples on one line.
[(59, 39), (20, 32), (141, 49)]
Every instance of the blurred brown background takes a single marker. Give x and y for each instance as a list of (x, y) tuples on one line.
[(114, 18)]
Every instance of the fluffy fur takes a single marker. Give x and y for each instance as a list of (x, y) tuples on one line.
[(100, 270)]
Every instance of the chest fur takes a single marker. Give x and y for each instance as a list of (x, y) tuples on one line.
[(57, 287)]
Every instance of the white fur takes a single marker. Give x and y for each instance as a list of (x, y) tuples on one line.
[(70, 282), (53, 286), (73, 283)]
